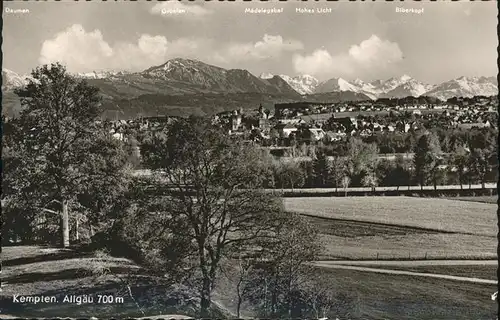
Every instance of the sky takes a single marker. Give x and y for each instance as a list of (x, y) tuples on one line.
[(356, 40)]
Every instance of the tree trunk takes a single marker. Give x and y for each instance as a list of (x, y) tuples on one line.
[(205, 298), (274, 298), (77, 226), (238, 306), (265, 298), (290, 296), (91, 228), (65, 224), (274, 301)]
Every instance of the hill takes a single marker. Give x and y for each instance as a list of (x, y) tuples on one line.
[(60, 273), (186, 76)]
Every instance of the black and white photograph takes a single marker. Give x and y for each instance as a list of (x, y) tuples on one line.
[(329, 160)]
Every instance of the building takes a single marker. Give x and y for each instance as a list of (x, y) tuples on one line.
[(264, 124), (283, 110), (349, 123), (316, 134), (285, 129), (236, 120)]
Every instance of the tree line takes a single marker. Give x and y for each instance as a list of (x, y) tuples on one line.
[(359, 165)]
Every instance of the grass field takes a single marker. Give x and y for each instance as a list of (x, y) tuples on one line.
[(436, 214), (35, 271), (401, 227), (416, 246), (353, 228), (30, 270), (365, 240), (383, 296), (481, 199)]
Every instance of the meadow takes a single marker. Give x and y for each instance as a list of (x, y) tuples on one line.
[(384, 296), (443, 215), (35, 270), (400, 227), (482, 199), (350, 228)]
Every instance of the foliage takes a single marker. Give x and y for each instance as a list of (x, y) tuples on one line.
[(459, 161), (479, 164), (427, 158), (59, 150), (281, 272), (289, 175), (214, 202), (321, 170), (361, 160)]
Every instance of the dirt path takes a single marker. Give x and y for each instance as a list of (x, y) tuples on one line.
[(410, 263), (406, 273)]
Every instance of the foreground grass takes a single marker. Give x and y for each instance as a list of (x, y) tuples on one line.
[(401, 227), (410, 246), (31, 270), (481, 199), (384, 296), (35, 271), (435, 214)]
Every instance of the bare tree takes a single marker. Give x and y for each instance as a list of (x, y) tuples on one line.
[(286, 258), (215, 194), (345, 183)]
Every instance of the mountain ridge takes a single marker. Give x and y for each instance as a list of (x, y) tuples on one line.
[(185, 84), (398, 87)]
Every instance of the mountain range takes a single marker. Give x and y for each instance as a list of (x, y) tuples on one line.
[(185, 85), (401, 87)]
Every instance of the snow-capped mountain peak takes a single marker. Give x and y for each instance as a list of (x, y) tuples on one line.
[(405, 78), (100, 74), (410, 87), (465, 87), (303, 84), (336, 84), (266, 75), (12, 80), (359, 82)]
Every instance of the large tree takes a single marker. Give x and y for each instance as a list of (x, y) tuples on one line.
[(283, 268), (64, 146), (459, 161), (479, 163), (337, 171), (361, 159), (427, 158), (215, 194), (289, 174), (321, 169)]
